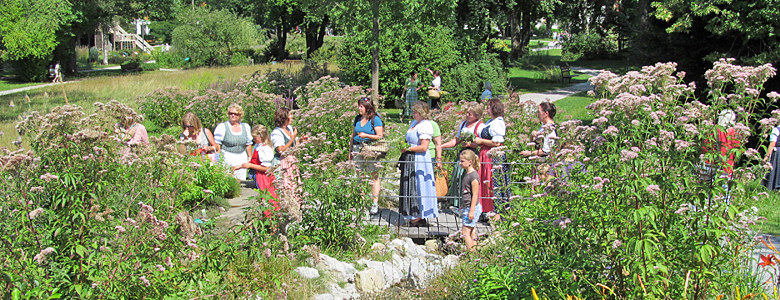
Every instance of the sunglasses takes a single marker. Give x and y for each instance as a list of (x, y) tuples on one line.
[(233, 114), (188, 126)]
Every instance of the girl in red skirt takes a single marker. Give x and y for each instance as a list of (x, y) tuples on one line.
[(262, 155)]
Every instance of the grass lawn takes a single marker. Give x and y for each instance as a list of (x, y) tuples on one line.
[(573, 107), (10, 84), (123, 88), (536, 81), (618, 66), (767, 207)]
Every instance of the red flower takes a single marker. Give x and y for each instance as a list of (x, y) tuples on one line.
[(267, 213), (766, 260)]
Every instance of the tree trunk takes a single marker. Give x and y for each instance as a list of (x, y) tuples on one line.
[(517, 39), (375, 54), (526, 32), (315, 36), (281, 42), (643, 12), (104, 45)]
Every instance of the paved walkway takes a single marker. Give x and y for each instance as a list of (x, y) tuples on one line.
[(555, 95)]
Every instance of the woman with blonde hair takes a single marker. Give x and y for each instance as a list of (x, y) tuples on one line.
[(133, 132), (261, 161), (193, 131), (418, 201), (472, 127), (494, 171), (234, 140)]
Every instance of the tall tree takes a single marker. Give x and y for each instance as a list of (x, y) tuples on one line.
[(29, 33)]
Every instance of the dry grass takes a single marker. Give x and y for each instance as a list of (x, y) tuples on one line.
[(123, 88)]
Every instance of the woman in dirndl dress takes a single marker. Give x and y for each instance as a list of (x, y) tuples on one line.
[(471, 125), (284, 137), (494, 171), (772, 179), (410, 94), (234, 140), (418, 136)]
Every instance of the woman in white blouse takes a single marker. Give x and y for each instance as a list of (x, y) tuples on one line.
[(435, 85), (470, 126), (234, 140), (284, 137), (419, 136), (495, 181)]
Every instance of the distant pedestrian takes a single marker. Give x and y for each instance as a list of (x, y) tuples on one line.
[(410, 93), (488, 93), (57, 73), (434, 97)]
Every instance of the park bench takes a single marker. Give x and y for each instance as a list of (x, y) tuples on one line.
[(566, 73), (290, 62), (131, 67)]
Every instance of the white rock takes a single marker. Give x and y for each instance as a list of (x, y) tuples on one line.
[(308, 273), (378, 247), (348, 292), (449, 262), (323, 297), (391, 274), (432, 245), (370, 281), (339, 270)]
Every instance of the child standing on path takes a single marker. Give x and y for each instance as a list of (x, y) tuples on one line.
[(262, 156), (470, 206)]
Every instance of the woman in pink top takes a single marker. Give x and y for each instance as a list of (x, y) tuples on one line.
[(132, 132)]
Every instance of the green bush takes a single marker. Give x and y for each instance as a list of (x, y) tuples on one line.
[(31, 68), (409, 48), (211, 37), (590, 46), (329, 52), (466, 81), (149, 66), (173, 59), (239, 59)]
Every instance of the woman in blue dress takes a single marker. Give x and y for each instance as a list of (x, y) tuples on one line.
[(419, 136)]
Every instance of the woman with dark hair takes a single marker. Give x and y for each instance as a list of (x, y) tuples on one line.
[(494, 180), (410, 94), (418, 192), (433, 103), (546, 133), (234, 140), (194, 131), (284, 137), (367, 128)]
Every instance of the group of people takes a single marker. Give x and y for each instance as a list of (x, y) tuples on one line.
[(479, 182), (249, 151)]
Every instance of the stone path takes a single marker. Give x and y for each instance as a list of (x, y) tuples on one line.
[(555, 95), (235, 213)]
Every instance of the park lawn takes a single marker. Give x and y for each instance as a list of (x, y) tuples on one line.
[(618, 66), (10, 84), (767, 207), (123, 88), (573, 107), (536, 81)]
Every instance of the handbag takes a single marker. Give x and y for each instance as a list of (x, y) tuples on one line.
[(379, 146), (375, 149), (433, 93), (441, 184)]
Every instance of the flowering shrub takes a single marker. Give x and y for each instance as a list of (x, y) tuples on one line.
[(84, 216), (638, 220)]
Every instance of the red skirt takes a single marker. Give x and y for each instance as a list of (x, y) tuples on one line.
[(486, 179), (266, 182)]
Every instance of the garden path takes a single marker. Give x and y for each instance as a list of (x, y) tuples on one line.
[(235, 213), (555, 95), (765, 273), (27, 88)]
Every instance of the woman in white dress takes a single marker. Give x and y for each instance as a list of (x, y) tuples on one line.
[(234, 140)]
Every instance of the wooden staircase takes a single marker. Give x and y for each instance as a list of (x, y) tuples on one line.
[(121, 36)]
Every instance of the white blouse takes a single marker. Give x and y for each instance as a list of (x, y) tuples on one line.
[(424, 129), (277, 136), (464, 129), (497, 129), (265, 154), (219, 133)]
